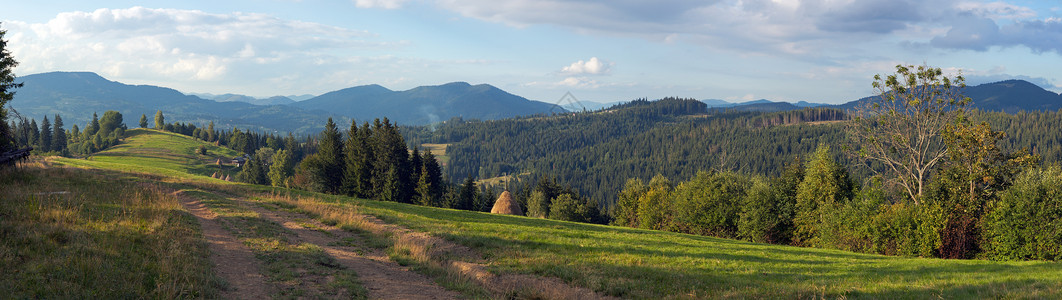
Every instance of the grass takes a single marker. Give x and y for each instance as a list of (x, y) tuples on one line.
[(439, 150), (164, 153), (634, 263), (649, 264), (69, 233), (298, 270)]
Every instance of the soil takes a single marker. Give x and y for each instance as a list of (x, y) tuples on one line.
[(383, 278), (232, 260)]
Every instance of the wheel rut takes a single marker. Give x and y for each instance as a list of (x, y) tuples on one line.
[(383, 278), (232, 260)]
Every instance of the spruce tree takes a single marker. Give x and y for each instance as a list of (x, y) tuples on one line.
[(429, 183), (93, 126), (352, 151), (7, 85), (59, 142), (467, 196), (45, 140), (34, 134), (330, 151), (143, 121)]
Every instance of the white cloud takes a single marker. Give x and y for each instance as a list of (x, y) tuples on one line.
[(385, 4), (808, 29), (594, 66), (192, 50)]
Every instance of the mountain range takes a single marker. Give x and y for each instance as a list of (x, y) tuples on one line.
[(74, 95)]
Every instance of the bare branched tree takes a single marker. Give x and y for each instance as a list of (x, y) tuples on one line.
[(899, 134)]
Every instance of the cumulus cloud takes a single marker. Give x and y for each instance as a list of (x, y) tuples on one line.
[(594, 66), (385, 4), (185, 48)]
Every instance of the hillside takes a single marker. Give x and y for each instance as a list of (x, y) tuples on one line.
[(426, 104), (75, 95), (614, 261), (1008, 96)]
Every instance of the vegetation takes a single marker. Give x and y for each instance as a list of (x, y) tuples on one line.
[(7, 86), (637, 263), (71, 233)]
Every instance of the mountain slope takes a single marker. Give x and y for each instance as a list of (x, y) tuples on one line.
[(614, 261), (75, 95), (1008, 96), (426, 104)]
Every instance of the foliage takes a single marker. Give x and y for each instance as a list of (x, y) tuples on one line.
[(709, 203), (1026, 221), (7, 87), (538, 205), (825, 187), (901, 134), (160, 120)]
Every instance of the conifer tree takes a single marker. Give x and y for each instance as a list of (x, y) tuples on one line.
[(429, 185), (467, 195), (93, 126), (7, 85), (352, 152), (59, 142), (826, 185), (45, 141), (330, 151), (143, 121), (33, 139)]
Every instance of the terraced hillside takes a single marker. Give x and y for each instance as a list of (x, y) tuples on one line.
[(285, 243)]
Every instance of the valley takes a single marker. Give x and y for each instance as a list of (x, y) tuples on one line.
[(296, 236)]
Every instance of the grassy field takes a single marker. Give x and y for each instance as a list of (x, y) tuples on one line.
[(634, 263), (80, 234), (439, 150)]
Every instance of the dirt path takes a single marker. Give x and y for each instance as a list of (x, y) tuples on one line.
[(232, 260), (383, 278)]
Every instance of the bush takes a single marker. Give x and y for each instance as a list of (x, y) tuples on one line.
[(708, 204), (1026, 221)]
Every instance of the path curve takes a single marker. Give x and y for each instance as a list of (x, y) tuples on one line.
[(232, 260)]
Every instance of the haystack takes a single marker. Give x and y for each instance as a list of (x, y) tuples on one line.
[(506, 206), (227, 178), (215, 175), (220, 163)]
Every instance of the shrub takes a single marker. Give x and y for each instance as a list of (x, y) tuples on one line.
[(1026, 221), (708, 204)]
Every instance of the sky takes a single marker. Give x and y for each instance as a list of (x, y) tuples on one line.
[(824, 51)]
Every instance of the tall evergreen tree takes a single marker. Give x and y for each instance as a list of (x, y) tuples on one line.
[(330, 151), (59, 142), (467, 196), (45, 141), (429, 185), (7, 86), (33, 139), (352, 152), (92, 127), (826, 185), (143, 121)]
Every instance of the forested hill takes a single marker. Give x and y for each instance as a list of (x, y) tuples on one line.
[(426, 104), (595, 153), (75, 95)]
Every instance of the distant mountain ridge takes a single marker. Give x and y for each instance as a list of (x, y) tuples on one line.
[(426, 104), (75, 95)]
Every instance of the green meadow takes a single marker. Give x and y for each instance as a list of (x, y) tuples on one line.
[(628, 263)]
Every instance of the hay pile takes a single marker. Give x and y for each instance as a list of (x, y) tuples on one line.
[(506, 206)]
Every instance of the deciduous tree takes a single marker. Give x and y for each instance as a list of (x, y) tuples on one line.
[(899, 134)]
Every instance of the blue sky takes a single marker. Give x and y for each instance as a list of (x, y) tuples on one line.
[(599, 50)]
